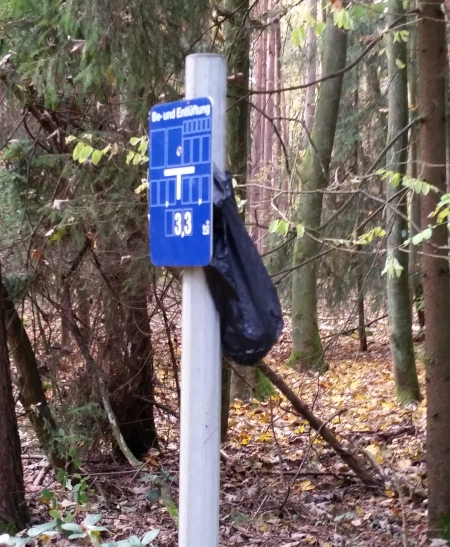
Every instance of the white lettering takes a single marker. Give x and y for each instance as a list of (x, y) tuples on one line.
[(169, 115), (156, 117), (194, 110)]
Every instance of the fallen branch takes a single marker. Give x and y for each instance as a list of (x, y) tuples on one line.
[(353, 463)]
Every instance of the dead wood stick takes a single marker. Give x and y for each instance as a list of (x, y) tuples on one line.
[(42, 473), (353, 463)]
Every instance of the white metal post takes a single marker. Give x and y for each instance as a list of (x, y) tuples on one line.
[(201, 351)]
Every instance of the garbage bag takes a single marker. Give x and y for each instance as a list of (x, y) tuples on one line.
[(250, 313)]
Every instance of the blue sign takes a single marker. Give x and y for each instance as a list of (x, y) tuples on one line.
[(180, 183)]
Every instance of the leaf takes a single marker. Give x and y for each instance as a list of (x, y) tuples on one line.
[(85, 153), (137, 159), (143, 146), (36, 531), (77, 150), (91, 520), (153, 495), (300, 230), (143, 186), (400, 63), (283, 227), (76, 536), (150, 536), (70, 138), (96, 156), (134, 541), (45, 493), (298, 36), (424, 235), (19, 541), (54, 513), (319, 28), (427, 233), (135, 140), (273, 226), (392, 268), (130, 156), (306, 486), (72, 527)]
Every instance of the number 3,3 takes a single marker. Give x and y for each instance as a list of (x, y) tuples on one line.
[(182, 223)]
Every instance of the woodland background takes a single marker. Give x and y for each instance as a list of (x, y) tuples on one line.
[(337, 141)]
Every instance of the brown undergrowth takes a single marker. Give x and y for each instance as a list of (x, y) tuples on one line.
[(281, 485)]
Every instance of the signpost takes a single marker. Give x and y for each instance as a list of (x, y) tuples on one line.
[(183, 151), (180, 183)]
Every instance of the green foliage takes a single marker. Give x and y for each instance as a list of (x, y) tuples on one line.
[(417, 185), (98, 44), (421, 236), (392, 268), (343, 19), (81, 426), (17, 285), (63, 520), (368, 237), (283, 227), (265, 388), (442, 210)]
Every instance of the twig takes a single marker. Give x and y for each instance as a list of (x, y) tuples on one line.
[(300, 467), (352, 462), (42, 473)]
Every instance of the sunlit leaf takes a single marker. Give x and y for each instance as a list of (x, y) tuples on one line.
[(36, 531), (96, 156), (135, 140), (150, 536)]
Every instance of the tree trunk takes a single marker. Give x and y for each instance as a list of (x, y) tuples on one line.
[(307, 352), (399, 305), (435, 266), (126, 354), (311, 72), (13, 511), (32, 396), (238, 38), (130, 376), (415, 283)]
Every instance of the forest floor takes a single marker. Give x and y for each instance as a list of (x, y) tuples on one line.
[(282, 485)]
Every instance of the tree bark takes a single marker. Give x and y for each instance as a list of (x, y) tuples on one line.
[(32, 396), (415, 282), (311, 72), (435, 266), (13, 510), (238, 40), (307, 351), (399, 304)]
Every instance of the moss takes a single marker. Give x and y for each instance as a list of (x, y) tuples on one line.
[(265, 388), (303, 361), (9, 528), (408, 396), (444, 528)]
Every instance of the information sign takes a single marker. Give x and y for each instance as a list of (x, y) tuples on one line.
[(180, 183)]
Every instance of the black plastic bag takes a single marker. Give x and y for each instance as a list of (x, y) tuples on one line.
[(250, 313)]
